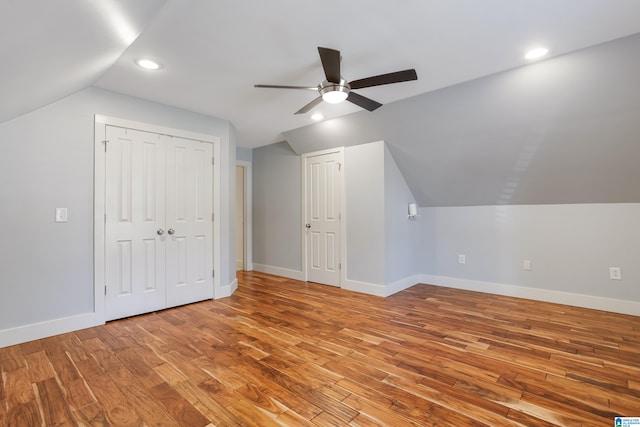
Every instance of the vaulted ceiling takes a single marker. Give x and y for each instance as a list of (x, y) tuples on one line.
[(463, 106), (565, 130)]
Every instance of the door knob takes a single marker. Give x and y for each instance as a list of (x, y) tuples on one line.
[(171, 231), (160, 231), (308, 225)]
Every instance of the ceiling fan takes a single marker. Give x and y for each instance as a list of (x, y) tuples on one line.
[(335, 89)]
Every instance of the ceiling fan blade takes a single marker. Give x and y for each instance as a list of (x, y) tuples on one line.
[(330, 59), (363, 101), (385, 79), (309, 106), (287, 87)]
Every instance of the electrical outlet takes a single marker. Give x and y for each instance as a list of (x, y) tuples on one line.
[(462, 259), (526, 265), (615, 273)]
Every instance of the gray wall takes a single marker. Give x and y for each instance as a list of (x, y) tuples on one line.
[(403, 241), (47, 162), (571, 247), (365, 240), (244, 154), (277, 207), (382, 245)]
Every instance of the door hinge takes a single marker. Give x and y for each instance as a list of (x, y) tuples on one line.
[(213, 273), (213, 217), (105, 289), (339, 266), (213, 161), (104, 142), (339, 166)]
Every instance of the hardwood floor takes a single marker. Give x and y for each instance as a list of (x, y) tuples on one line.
[(282, 352)]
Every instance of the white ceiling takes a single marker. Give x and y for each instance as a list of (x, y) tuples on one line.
[(213, 52)]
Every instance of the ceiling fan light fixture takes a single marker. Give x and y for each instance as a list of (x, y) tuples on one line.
[(334, 93), (334, 97)]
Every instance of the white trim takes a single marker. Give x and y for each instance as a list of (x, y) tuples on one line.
[(217, 209), (343, 219), (228, 290), (47, 328), (403, 284), (277, 271), (100, 209), (149, 127), (99, 212), (365, 288), (558, 297), (248, 219), (382, 290)]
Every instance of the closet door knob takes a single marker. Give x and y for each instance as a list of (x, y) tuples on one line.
[(171, 231), (160, 231)]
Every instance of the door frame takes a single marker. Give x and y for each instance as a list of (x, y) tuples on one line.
[(343, 214), (248, 229), (99, 200)]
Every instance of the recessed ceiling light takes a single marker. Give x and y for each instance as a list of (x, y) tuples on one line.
[(536, 53), (148, 64), (317, 117)]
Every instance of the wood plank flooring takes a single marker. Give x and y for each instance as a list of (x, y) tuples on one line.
[(282, 352)]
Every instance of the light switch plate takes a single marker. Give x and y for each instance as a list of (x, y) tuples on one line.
[(61, 215), (615, 273)]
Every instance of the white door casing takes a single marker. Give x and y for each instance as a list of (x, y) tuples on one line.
[(158, 221), (246, 222), (323, 188), (240, 219)]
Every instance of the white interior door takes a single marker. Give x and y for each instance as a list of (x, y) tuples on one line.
[(134, 223), (189, 221), (159, 222), (322, 212)]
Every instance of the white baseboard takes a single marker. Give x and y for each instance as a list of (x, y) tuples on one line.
[(277, 271), (381, 290), (567, 298), (233, 286), (403, 284), (226, 291), (365, 288), (46, 329)]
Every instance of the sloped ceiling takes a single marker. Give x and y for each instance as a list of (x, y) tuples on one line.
[(51, 49), (566, 130), (213, 52)]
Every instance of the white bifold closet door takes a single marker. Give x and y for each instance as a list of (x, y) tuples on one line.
[(159, 221)]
